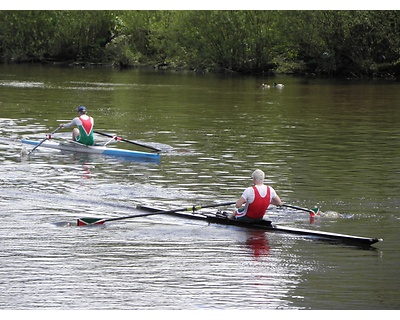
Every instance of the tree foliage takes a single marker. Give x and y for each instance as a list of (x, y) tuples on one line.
[(355, 43)]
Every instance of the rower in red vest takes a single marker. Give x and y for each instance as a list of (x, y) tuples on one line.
[(255, 199), (83, 133)]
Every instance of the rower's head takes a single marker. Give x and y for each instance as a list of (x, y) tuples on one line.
[(258, 176), (82, 109)]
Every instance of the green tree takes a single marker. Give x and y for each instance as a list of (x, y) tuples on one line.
[(332, 43)]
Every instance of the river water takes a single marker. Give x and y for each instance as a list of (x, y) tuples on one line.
[(327, 143)]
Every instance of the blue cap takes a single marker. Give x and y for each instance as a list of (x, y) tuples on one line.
[(82, 109)]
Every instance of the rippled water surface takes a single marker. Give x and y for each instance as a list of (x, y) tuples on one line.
[(332, 144)]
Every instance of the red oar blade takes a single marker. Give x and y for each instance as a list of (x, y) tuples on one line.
[(89, 221)]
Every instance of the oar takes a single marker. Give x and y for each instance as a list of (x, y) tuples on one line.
[(125, 140), (313, 212), (47, 137), (93, 221)]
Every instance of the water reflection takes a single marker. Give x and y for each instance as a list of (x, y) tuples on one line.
[(87, 166), (86, 161), (258, 242)]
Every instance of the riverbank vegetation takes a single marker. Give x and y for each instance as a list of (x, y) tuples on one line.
[(324, 43)]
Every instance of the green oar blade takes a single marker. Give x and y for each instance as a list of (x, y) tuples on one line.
[(89, 221)]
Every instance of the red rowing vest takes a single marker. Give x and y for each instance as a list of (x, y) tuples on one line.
[(257, 208), (87, 125)]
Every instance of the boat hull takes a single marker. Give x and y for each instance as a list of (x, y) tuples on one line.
[(219, 218), (71, 146)]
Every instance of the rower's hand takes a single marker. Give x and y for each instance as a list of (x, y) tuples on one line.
[(61, 125)]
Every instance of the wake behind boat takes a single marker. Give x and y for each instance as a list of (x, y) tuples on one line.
[(73, 146)]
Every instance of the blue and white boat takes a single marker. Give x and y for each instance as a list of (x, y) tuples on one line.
[(73, 146)]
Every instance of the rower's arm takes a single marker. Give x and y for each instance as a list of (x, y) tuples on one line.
[(276, 201), (74, 122), (240, 202)]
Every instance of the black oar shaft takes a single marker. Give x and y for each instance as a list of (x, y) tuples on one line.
[(295, 207), (312, 213), (189, 208), (81, 221), (47, 137), (125, 140)]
